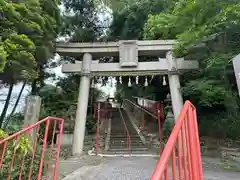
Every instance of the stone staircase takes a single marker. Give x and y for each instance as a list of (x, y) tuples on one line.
[(118, 140)]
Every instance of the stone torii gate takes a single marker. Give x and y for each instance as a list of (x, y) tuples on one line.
[(128, 65)]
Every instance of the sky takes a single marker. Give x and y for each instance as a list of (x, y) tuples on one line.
[(108, 89)]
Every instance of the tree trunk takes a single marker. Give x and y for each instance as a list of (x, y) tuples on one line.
[(18, 98), (34, 87), (39, 79), (4, 112)]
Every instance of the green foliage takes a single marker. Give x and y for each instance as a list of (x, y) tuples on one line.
[(28, 29), (219, 125), (129, 22), (167, 129), (204, 92), (3, 57), (117, 5), (160, 26), (91, 125), (210, 27), (28, 22), (22, 148), (15, 123), (81, 21), (194, 22), (61, 101), (20, 62)]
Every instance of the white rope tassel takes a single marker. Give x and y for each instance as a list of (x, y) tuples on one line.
[(146, 82), (164, 81), (111, 82), (120, 79), (129, 82), (93, 83), (101, 81), (137, 79)]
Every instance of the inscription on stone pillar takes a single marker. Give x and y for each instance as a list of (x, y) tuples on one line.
[(128, 53)]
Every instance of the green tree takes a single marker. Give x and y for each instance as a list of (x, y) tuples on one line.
[(208, 32), (45, 43), (129, 22), (28, 29), (20, 64), (81, 21), (3, 56), (61, 100)]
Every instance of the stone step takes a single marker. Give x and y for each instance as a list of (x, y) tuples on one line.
[(125, 141), (121, 141), (126, 149), (119, 153), (123, 136)]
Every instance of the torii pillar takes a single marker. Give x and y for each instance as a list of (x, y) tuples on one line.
[(174, 84), (81, 114)]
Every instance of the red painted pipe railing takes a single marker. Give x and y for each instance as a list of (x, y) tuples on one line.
[(129, 141), (32, 153), (181, 157), (135, 109), (101, 114), (98, 128), (150, 105)]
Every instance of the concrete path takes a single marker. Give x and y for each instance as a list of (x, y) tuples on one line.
[(135, 168), (78, 164)]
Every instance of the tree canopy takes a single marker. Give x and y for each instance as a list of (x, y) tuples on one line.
[(207, 31), (28, 29)]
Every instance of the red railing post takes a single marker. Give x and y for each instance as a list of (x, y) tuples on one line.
[(33, 153), (127, 132), (97, 131), (197, 142), (58, 150), (159, 129), (44, 146), (193, 145), (142, 124)]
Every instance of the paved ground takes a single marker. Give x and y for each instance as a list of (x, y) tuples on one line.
[(138, 168), (77, 164)]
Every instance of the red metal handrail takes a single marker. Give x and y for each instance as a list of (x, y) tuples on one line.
[(140, 107), (183, 141), (20, 150), (101, 115), (158, 117), (129, 141), (98, 130), (153, 107)]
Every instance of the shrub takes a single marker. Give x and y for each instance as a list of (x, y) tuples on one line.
[(21, 151), (167, 129), (90, 125)]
